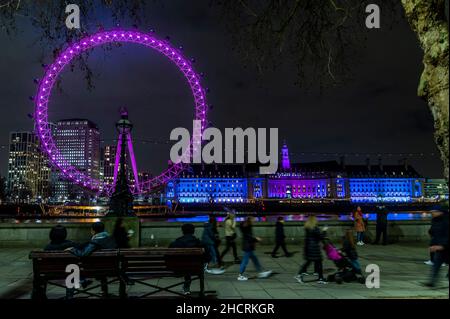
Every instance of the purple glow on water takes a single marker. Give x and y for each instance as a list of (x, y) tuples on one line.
[(401, 216), (202, 218)]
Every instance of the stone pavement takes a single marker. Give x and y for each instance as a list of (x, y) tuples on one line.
[(401, 265)]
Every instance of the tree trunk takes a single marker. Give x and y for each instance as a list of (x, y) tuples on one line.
[(428, 20)]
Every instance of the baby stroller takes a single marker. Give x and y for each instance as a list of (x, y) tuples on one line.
[(346, 271)]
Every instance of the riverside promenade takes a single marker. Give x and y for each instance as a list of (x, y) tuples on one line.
[(401, 265)]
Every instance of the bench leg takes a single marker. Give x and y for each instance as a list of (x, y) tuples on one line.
[(122, 289), (104, 287), (202, 285), (39, 289)]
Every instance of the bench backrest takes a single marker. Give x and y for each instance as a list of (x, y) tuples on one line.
[(162, 261), (52, 264), (158, 262)]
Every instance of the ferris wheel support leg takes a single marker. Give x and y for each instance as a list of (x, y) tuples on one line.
[(117, 159), (133, 162)]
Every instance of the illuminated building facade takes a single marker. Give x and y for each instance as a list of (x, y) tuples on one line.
[(108, 159), (78, 142), (298, 181), (28, 169), (307, 181), (436, 189), (384, 183), (209, 184)]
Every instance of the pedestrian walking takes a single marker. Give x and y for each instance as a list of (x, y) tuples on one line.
[(230, 237), (217, 240), (439, 242), (248, 246), (280, 238), (312, 251), (382, 225), (360, 228), (209, 239), (120, 234)]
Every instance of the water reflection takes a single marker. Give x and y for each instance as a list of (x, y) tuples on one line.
[(201, 218), (398, 216)]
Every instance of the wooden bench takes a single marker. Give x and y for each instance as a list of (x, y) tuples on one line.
[(49, 267), (141, 265), (128, 266)]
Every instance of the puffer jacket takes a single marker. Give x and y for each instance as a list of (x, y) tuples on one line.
[(190, 241), (208, 236), (279, 232), (248, 240), (60, 245), (98, 242), (313, 237)]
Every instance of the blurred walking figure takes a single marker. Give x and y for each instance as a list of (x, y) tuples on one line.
[(249, 246), (280, 238), (360, 228), (312, 251), (120, 234), (382, 225), (217, 240), (439, 242), (209, 239), (429, 262), (230, 237)]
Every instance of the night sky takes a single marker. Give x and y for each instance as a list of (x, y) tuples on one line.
[(378, 111)]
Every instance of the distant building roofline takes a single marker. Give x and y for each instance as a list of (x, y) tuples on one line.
[(89, 122)]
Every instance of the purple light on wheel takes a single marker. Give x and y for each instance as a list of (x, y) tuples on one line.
[(104, 37)]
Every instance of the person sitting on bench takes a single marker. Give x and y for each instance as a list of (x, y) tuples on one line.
[(100, 240), (58, 242), (58, 239), (188, 240)]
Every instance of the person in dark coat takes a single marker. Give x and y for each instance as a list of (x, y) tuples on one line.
[(58, 239), (439, 241), (209, 239), (217, 240), (58, 242), (382, 225), (248, 246), (280, 238), (188, 240), (120, 234), (100, 240), (312, 251)]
